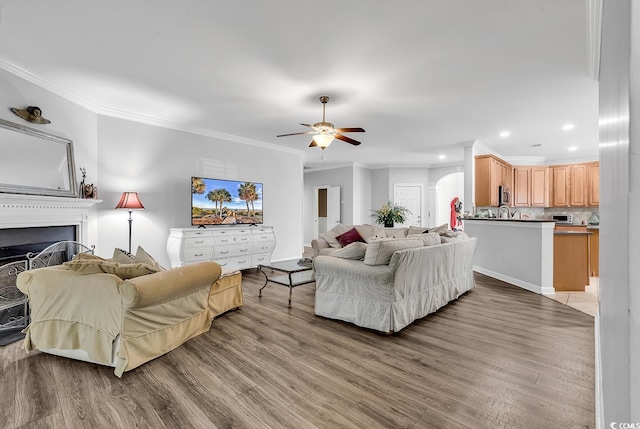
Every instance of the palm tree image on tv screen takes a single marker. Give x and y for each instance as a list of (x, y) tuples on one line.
[(225, 202)]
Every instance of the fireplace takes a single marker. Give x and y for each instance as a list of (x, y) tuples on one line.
[(17, 243), (30, 223)]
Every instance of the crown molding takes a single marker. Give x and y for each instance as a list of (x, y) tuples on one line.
[(98, 109)]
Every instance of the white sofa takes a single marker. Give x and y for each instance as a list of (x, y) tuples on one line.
[(388, 283)]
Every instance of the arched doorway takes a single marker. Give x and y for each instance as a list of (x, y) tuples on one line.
[(447, 188)]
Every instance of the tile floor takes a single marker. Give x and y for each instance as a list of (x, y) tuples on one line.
[(586, 301)]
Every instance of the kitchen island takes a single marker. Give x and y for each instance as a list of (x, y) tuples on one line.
[(516, 251)]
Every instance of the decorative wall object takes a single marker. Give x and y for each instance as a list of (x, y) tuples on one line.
[(31, 114)]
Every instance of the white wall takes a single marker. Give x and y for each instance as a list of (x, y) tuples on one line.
[(67, 120), (618, 322), (158, 164), (380, 187), (342, 177), (361, 195)]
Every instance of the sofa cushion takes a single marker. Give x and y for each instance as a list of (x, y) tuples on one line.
[(369, 232), (396, 232), (430, 239), (142, 257), (453, 236), (416, 230), (355, 250), (439, 229), (379, 252), (96, 266), (349, 237), (122, 256), (330, 236)]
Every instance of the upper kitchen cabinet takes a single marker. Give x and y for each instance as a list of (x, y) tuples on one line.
[(575, 185), (560, 186), (531, 186), (491, 172), (593, 184)]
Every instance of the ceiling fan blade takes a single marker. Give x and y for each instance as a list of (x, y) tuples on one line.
[(307, 125), (347, 139), (295, 134), (313, 143), (350, 130)]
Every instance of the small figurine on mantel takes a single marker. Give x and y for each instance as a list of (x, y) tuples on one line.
[(31, 114), (87, 190)]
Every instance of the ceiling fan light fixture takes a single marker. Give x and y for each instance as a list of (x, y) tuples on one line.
[(323, 140)]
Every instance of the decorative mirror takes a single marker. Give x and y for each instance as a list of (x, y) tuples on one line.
[(35, 162)]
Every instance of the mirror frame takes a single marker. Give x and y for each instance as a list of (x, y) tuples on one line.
[(33, 190)]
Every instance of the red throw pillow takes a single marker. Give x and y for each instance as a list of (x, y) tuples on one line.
[(350, 236)]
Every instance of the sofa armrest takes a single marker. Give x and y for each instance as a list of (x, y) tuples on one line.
[(168, 285), (318, 244)]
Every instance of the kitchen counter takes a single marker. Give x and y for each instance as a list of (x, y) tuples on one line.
[(516, 251), (506, 220)]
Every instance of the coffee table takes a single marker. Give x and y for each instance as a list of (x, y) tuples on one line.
[(296, 274)]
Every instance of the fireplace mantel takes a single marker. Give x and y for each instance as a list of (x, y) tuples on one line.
[(23, 211)]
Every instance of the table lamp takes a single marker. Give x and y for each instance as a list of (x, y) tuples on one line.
[(130, 201)]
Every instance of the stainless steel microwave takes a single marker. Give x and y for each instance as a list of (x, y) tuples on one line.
[(563, 218)]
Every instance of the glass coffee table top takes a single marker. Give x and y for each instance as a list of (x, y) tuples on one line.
[(295, 274)]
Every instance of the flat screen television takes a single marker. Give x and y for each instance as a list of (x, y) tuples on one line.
[(225, 202)]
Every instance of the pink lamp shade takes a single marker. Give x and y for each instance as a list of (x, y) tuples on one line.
[(130, 201)]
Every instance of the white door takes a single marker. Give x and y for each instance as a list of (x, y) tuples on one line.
[(410, 197), (326, 209), (333, 206)]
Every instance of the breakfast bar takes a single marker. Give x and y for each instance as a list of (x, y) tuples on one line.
[(516, 251)]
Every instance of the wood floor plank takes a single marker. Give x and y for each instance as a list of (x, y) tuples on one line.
[(499, 357)]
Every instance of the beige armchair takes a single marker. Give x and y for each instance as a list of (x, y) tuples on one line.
[(104, 319)]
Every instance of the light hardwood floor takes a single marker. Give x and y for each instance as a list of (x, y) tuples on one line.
[(499, 357)]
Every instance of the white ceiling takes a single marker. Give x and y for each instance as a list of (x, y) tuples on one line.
[(421, 77)]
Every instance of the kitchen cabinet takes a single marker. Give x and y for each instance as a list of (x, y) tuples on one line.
[(575, 185), (570, 258), (560, 186), (593, 184), (594, 252), (578, 185), (490, 172), (531, 186)]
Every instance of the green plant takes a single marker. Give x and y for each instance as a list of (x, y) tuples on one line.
[(390, 213)]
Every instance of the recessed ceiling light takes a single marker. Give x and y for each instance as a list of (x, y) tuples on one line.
[(505, 134), (441, 156), (568, 127), (572, 148)]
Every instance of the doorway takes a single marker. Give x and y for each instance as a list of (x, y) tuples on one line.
[(447, 188), (410, 197), (326, 209)]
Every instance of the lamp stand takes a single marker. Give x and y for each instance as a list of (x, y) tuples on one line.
[(130, 222)]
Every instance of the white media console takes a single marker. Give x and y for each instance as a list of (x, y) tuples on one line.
[(233, 247)]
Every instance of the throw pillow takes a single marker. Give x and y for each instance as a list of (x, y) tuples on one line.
[(396, 232), (142, 257), (330, 236), (439, 229), (416, 230), (355, 250), (453, 236), (349, 237), (365, 231), (379, 252), (431, 239), (122, 256), (96, 266), (378, 233)]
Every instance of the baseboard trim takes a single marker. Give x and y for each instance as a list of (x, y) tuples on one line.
[(514, 281)]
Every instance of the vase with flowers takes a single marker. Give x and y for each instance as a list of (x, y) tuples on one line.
[(390, 213)]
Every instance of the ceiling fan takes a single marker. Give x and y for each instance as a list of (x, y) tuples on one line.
[(324, 132)]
